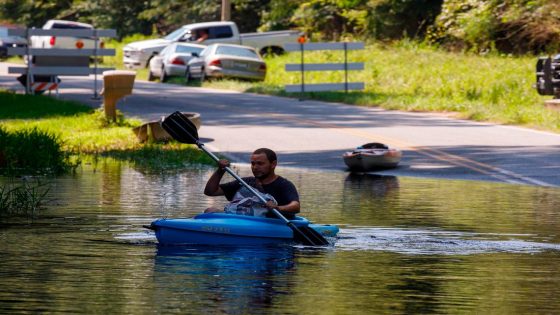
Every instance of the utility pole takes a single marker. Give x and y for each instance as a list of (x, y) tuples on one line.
[(226, 10)]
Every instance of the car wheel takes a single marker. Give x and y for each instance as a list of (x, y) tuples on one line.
[(202, 75), (163, 76), (271, 51), (151, 76)]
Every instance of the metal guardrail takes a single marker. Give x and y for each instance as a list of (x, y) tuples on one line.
[(318, 87), (58, 61)]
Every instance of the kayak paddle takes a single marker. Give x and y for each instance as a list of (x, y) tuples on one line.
[(183, 130)]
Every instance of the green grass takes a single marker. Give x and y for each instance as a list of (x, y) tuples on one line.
[(81, 130), (22, 198), (32, 151), (415, 78)]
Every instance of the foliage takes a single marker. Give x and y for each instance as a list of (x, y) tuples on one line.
[(32, 12), (17, 106), (323, 19), (32, 151), (517, 26), (158, 157), (24, 198), (279, 15), (393, 19)]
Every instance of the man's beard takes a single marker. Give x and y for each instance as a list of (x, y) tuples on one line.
[(262, 176)]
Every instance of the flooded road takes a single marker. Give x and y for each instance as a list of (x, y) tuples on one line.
[(406, 245)]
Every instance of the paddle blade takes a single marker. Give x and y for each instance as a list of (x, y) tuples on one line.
[(180, 128), (308, 236)]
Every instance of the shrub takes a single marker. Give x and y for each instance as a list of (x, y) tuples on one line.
[(513, 26), (22, 199), (31, 151)]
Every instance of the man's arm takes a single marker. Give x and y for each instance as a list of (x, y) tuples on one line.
[(292, 207), (213, 185)]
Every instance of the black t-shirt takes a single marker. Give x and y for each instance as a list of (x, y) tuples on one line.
[(281, 189)]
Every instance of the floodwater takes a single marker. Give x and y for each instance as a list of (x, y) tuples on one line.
[(407, 245)]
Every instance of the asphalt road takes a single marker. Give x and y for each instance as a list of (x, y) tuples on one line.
[(315, 134)]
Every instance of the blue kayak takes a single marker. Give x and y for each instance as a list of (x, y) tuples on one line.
[(231, 229)]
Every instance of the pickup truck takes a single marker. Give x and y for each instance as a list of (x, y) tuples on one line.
[(65, 42), (138, 54)]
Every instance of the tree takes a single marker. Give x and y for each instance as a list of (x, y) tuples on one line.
[(32, 12), (516, 26)]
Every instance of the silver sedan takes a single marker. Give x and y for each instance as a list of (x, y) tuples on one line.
[(226, 60), (172, 61)]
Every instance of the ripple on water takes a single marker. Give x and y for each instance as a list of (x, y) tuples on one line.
[(437, 242)]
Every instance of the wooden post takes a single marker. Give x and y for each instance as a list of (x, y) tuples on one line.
[(226, 10)]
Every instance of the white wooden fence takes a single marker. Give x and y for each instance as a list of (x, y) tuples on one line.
[(317, 87), (58, 61)]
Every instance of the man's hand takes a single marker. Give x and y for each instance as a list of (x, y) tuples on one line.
[(222, 164), (272, 205), (213, 185)]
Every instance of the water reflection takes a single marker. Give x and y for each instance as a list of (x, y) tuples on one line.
[(232, 279), (437, 242), (370, 185)]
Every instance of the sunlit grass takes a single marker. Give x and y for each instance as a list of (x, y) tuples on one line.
[(83, 130)]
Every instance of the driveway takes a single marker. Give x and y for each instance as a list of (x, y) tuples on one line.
[(314, 134)]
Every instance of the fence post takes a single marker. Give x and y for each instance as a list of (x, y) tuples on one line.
[(302, 70), (28, 57), (96, 42), (346, 67)]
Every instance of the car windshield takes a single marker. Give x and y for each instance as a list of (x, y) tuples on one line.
[(4, 34), (236, 51), (188, 49), (175, 35)]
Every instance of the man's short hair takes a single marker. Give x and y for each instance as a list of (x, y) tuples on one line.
[(270, 155)]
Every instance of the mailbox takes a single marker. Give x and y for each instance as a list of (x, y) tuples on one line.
[(116, 85)]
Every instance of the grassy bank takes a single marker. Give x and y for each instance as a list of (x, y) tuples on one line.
[(413, 77), (81, 130)]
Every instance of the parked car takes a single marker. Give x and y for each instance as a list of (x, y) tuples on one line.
[(138, 54), (227, 60), (65, 42), (9, 41), (172, 61)]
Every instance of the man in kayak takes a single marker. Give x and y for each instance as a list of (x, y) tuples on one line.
[(263, 163)]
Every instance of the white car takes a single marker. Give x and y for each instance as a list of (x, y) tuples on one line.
[(227, 61), (172, 61)]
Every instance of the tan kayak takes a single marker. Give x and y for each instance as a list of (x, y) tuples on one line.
[(372, 156)]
